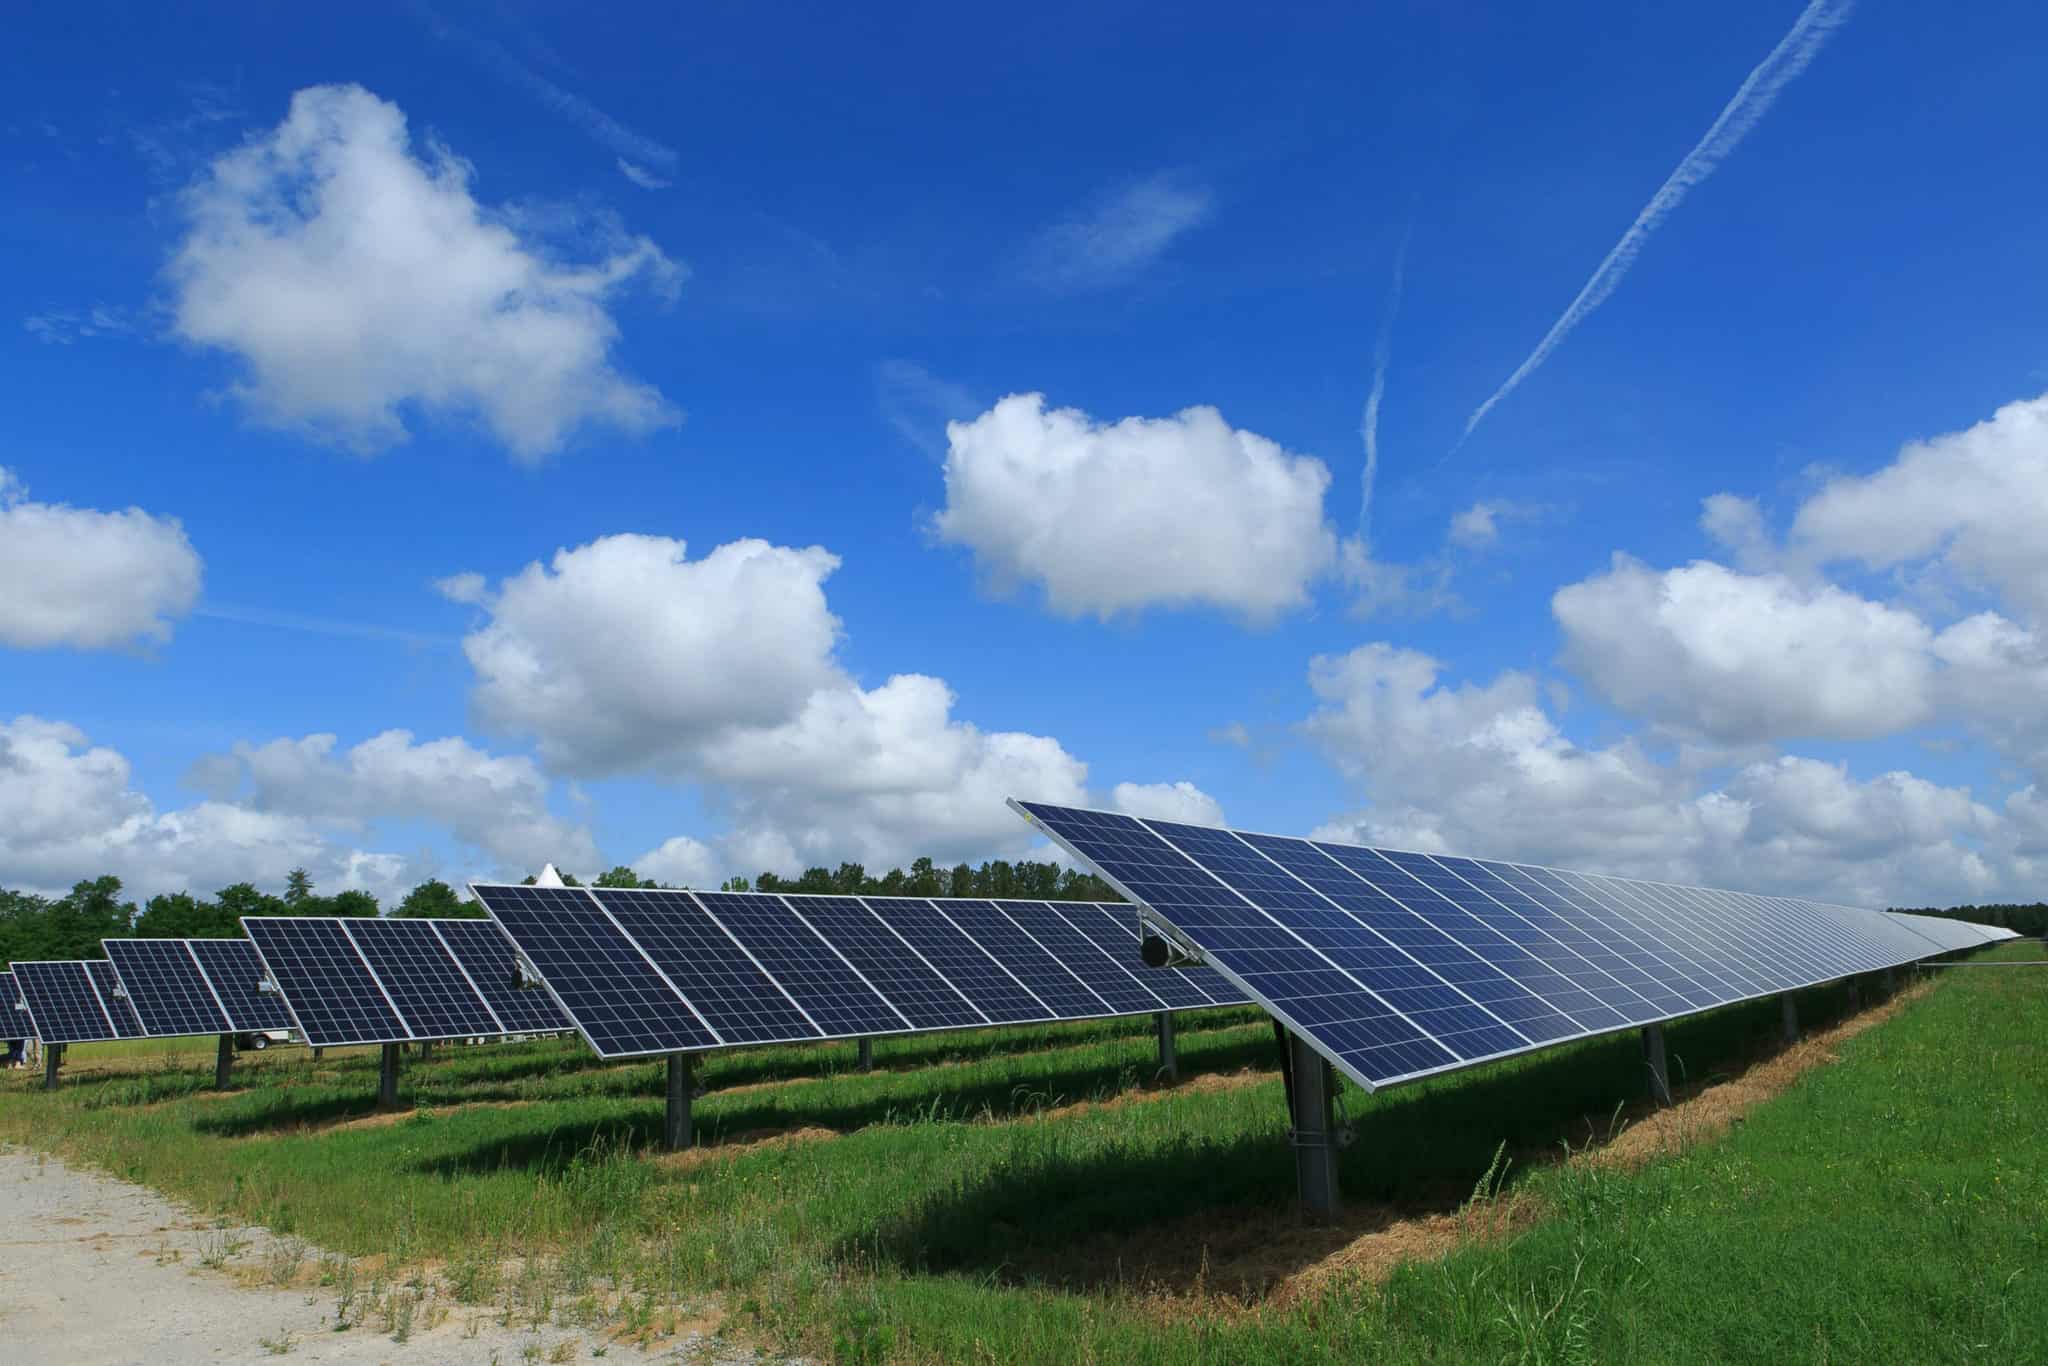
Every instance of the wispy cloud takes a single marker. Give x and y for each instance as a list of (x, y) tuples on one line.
[(1369, 421), (1815, 25), (641, 159), (918, 404), (1119, 235), (63, 326), (324, 626)]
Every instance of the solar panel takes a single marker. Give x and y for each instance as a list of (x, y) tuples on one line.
[(1110, 981), (832, 993), (14, 1021), (166, 987), (1024, 958), (618, 1001), (329, 989), (491, 962), (1396, 965), (1114, 930), (120, 1013), (961, 961), (232, 970), (63, 1004), (728, 988), (898, 972), (421, 978)]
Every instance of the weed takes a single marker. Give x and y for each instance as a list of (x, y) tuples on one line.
[(281, 1345), (283, 1258)]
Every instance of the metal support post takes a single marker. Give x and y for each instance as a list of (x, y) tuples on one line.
[(1855, 995), (1169, 1056), (426, 1049), (1791, 1013), (1887, 981), (1653, 1058), (867, 1055), (223, 1061), (675, 1128), (319, 1053), (387, 1079), (1315, 1131), (53, 1056)]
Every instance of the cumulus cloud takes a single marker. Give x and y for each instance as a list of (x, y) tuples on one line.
[(87, 579), (1119, 235), (497, 804), (627, 656), (1977, 500), (356, 279), (1485, 769), (1745, 658), (1112, 518), (681, 861), (1182, 801), (68, 811)]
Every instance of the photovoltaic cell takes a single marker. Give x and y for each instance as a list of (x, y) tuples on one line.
[(325, 982), (165, 987), (14, 1021), (1114, 930), (422, 978), (836, 998), (492, 964), (617, 1000), (713, 973), (1117, 986), (232, 969), (961, 961), (1397, 964), (62, 1002), (912, 985), (1050, 980)]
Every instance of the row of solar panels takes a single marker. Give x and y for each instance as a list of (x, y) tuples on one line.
[(636, 972), (1397, 965)]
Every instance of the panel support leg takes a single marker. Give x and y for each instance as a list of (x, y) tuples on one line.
[(1855, 995), (1169, 1055), (675, 1127), (223, 1061), (53, 1057), (1790, 1010), (1653, 1058), (1887, 981), (426, 1049), (319, 1053), (1315, 1131), (866, 1060), (387, 1078)]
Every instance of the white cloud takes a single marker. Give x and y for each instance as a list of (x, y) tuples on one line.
[(68, 812), (1745, 658), (681, 861), (1182, 801), (356, 280), (1737, 525), (466, 587), (87, 579), (64, 326), (493, 803), (1118, 236), (1478, 526), (1145, 512), (641, 176), (1976, 499), (627, 656)]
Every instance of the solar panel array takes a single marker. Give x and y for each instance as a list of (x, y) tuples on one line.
[(232, 969), (368, 981), (1398, 965), (64, 1003), (1953, 934), (642, 972), (14, 1021), (181, 987), (120, 1013)]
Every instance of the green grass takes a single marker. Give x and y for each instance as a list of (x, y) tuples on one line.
[(1892, 1206)]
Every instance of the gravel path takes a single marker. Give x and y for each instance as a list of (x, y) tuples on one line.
[(95, 1270)]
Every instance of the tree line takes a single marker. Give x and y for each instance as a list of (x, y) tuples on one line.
[(2030, 918), (71, 926)]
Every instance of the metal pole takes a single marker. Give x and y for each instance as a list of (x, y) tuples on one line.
[(1653, 1058), (1887, 981), (675, 1129), (426, 1049), (1855, 995), (867, 1055), (1315, 1131), (1169, 1056), (53, 1054), (223, 1061), (1791, 1014), (387, 1078)]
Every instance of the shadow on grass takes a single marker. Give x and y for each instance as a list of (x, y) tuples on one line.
[(1132, 1218)]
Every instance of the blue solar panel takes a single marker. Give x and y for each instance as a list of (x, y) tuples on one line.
[(14, 1021), (911, 984), (327, 986), (619, 1002), (714, 974), (232, 969), (491, 963), (980, 978), (422, 979), (166, 988), (1047, 978), (835, 996), (62, 1002), (1116, 985), (1114, 930), (1398, 964), (120, 1013)]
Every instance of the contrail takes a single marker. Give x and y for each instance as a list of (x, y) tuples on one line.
[(1369, 422), (1816, 24)]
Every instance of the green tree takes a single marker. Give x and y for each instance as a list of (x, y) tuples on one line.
[(436, 900), (298, 890), (736, 884), (354, 903), (850, 879), (180, 915), (815, 880), (924, 880), (622, 876)]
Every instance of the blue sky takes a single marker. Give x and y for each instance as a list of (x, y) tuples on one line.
[(327, 327)]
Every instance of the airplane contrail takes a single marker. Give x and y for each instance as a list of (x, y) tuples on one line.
[(1369, 421), (1815, 25)]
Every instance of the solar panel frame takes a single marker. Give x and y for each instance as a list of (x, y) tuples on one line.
[(16, 1011), (63, 1004), (233, 969), (422, 979), (490, 960), (1118, 985), (1687, 925), (1058, 987), (833, 994), (167, 988), (334, 998), (708, 967), (922, 994), (113, 998), (977, 974), (1185, 988)]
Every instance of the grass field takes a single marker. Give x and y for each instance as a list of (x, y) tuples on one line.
[(1032, 1195)]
